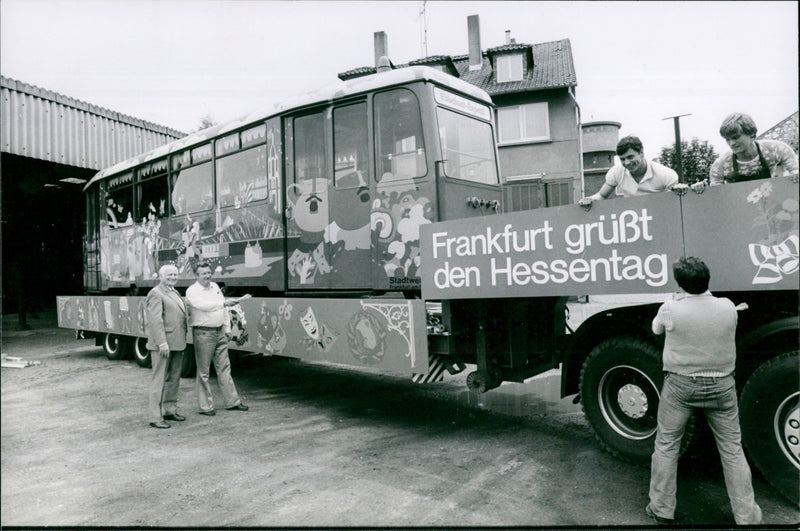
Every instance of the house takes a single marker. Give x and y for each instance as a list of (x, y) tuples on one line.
[(538, 117)]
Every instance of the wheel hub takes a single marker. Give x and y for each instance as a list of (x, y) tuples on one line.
[(632, 401), (790, 435)]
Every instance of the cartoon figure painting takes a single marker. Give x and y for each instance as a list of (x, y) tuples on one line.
[(308, 209), (271, 336), (238, 319), (366, 336), (319, 335)]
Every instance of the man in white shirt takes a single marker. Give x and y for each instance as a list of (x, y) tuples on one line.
[(211, 332), (636, 175)]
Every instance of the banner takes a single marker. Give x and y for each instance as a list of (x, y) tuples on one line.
[(618, 246), (747, 233)]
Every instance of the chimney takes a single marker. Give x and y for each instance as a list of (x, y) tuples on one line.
[(381, 46), (508, 36), (474, 35)]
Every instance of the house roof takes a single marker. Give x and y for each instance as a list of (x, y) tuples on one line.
[(553, 67)]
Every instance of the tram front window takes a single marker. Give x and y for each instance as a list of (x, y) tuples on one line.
[(467, 147), (398, 124)]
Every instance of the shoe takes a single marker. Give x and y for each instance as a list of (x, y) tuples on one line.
[(209, 413), (660, 520), (238, 407), (160, 425), (175, 416)]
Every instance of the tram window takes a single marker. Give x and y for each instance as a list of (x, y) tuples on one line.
[(180, 160), (309, 147), (201, 153), (467, 147), (398, 124), (253, 136), (119, 200), (119, 205), (350, 146), (227, 144), (153, 196), (192, 189), (242, 177)]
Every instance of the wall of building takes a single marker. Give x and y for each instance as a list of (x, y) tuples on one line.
[(558, 158)]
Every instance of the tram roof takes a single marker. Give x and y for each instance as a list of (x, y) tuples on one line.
[(328, 93)]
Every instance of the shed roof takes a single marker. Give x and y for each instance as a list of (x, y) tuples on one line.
[(45, 125)]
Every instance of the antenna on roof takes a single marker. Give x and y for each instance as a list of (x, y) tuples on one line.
[(424, 29)]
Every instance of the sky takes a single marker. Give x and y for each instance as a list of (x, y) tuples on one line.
[(173, 62)]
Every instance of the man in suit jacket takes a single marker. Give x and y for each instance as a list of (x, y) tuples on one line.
[(166, 341)]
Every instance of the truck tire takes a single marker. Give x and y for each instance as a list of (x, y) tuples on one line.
[(620, 386), (189, 365), (140, 352), (114, 346), (770, 419)]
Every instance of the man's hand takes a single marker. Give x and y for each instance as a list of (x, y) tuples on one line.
[(700, 186), (234, 301), (163, 350), (586, 202)]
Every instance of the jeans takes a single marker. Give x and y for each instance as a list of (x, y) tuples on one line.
[(210, 345), (680, 396)]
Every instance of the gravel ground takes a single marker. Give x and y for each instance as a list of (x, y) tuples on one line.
[(320, 446)]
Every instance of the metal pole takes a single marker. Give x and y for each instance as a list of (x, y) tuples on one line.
[(678, 147)]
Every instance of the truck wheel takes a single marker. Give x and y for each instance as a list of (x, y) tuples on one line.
[(114, 346), (620, 387), (770, 419), (140, 352), (189, 365)]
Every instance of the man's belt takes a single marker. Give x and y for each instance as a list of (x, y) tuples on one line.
[(209, 328)]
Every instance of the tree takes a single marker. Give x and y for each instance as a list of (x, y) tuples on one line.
[(697, 157), (205, 122)]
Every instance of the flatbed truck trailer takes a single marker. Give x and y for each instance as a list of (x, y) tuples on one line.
[(367, 224)]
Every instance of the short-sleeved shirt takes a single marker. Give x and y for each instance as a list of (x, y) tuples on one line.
[(657, 178), (206, 305), (780, 158)]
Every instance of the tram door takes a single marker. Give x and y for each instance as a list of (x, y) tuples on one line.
[(307, 201), (348, 236)]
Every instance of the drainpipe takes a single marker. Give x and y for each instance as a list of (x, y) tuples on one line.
[(580, 138)]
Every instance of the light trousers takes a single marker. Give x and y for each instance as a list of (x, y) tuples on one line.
[(210, 345), (163, 396), (680, 396)]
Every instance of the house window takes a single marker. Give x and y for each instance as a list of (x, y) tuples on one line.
[(523, 123), (509, 68)]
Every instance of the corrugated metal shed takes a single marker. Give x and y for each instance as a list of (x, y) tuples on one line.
[(42, 124)]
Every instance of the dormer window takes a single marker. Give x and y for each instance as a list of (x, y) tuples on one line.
[(509, 68)]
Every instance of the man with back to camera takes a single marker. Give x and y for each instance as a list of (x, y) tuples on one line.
[(699, 359), (635, 175), (166, 341), (211, 329)]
